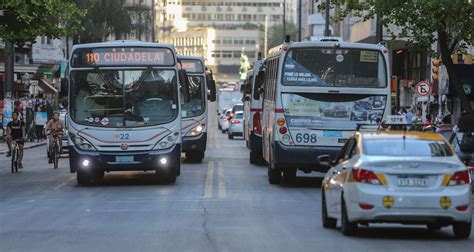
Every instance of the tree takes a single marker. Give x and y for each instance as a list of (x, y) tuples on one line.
[(24, 20), (104, 17), (277, 35), (450, 23)]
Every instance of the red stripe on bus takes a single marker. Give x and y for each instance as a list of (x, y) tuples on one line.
[(255, 110), (104, 141), (279, 110)]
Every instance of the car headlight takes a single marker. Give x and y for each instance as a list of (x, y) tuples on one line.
[(167, 141), (81, 143), (196, 131)]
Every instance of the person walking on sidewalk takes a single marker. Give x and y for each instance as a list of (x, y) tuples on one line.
[(16, 131)]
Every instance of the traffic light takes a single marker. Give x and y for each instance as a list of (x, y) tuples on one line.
[(435, 69)]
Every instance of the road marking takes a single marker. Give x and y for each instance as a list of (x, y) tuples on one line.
[(64, 183), (221, 181), (209, 178)]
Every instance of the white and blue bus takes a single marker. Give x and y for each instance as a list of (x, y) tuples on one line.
[(316, 93), (124, 109), (194, 113)]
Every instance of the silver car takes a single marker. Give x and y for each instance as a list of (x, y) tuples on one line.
[(236, 125)]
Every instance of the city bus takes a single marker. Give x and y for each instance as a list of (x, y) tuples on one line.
[(195, 112), (124, 109), (316, 94), (253, 111)]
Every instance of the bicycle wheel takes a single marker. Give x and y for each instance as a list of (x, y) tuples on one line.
[(13, 160), (55, 156)]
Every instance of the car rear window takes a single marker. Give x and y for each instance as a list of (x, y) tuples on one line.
[(238, 108), (239, 116), (409, 147)]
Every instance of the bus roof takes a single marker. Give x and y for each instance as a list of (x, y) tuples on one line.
[(190, 57), (123, 43), (276, 51)]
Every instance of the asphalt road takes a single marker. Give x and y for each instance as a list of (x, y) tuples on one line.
[(222, 204)]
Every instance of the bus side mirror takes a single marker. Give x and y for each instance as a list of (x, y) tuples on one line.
[(184, 84), (258, 82), (211, 86), (246, 98)]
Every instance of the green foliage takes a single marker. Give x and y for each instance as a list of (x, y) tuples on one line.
[(276, 34), (24, 20), (103, 18), (417, 20)]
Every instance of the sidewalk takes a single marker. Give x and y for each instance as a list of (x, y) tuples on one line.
[(28, 145)]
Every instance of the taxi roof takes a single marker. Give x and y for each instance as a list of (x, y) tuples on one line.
[(398, 134)]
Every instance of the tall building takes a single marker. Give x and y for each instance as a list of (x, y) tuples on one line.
[(218, 31)]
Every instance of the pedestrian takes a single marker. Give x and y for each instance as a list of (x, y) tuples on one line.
[(417, 121), (39, 123), (409, 117)]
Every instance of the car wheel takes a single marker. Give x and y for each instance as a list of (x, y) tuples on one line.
[(289, 175), (230, 136), (194, 156), (83, 178), (348, 228), (462, 230), (328, 222)]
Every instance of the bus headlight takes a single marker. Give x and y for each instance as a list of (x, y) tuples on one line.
[(196, 131), (167, 142), (81, 143)]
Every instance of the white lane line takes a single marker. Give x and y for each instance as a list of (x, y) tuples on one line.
[(64, 183), (221, 180), (115, 210), (209, 178)]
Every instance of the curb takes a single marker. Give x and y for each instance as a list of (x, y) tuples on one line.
[(27, 147)]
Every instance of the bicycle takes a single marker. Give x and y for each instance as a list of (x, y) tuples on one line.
[(56, 150), (15, 156)]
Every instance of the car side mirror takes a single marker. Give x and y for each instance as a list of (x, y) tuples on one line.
[(184, 84), (466, 159)]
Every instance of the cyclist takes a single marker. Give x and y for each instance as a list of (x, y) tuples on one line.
[(54, 125), (16, 131)]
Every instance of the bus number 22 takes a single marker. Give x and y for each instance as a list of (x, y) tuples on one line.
[(122, 136)]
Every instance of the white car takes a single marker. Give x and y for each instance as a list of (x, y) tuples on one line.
[(397, 177), (236, 127), (223, 122)]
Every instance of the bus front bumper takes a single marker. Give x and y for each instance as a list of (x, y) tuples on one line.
[(302, 157), (197, 143), (124, 161)]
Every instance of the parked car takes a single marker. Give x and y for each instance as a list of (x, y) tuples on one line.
[(397, 176), (236, 125), (223, 122), (466, 157), (336, 111)]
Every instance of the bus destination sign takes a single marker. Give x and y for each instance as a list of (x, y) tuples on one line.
[(119, 56), (192, 66)]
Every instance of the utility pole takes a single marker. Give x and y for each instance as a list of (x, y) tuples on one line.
[(327, 32), (379, 29), (299, 20), (153, 15), (9, 69), (284, 19), (265, 42)]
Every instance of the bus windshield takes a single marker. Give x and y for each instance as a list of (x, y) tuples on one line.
[(196, 105), (123, 98), (333, 67)]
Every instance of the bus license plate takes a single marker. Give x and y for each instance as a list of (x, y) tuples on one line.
[(404, 181), (124, 159), (332, 133)]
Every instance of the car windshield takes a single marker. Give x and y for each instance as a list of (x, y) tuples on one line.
[(408, 147), (329, 67), (196, 104), (123, 98)]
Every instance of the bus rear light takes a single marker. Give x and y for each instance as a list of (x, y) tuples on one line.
[(257, 126), (283, 130), (285, 138), (281, 122)]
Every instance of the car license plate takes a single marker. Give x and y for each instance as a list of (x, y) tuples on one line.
[(332, 133), (124, 159), (405, 181)]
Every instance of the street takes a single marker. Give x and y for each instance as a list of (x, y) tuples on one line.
[(222, 204)]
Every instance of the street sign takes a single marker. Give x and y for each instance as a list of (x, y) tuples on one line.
[(423, 88), (33, 82)]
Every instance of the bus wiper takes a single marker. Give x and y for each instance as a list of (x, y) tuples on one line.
[(139, 82), (101, 76)]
